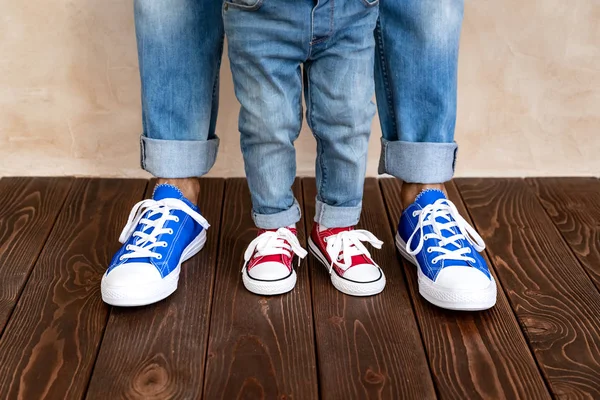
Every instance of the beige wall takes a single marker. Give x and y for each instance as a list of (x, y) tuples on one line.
[(529, 97)]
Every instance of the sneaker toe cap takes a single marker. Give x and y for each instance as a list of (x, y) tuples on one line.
[(132, 275), (462, 278), (363, 273), (269, 271)]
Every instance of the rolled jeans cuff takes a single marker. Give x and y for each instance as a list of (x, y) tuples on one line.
[(336, 217), (418, 162), (278, 220), (178, 158)]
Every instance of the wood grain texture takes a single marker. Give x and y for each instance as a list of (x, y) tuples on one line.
[(259, 347), (555, 301), (28, 209), (51, 341), (472, 355), (368, 347), (159, 351), (573, 204)]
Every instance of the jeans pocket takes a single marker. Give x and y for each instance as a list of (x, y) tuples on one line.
[(248, 5), (371, 3)]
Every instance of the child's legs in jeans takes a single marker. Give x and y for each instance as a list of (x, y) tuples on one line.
[(266, 49), (339, 88), (267, 45)]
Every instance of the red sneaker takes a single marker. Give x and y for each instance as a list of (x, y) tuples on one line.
[(268, 268), (350, 265)]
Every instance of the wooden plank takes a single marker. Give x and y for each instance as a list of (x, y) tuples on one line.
[(573, 204), (259, 347), (368, 347), (159, 351), (50, 344), (553, 298), (461, 345), (29, 209)]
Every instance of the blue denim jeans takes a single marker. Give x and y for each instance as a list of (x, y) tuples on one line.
[(179, 46), (417, 59), (269, 42)]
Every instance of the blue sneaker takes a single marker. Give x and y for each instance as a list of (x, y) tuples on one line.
[(160, 234), (434, 237)]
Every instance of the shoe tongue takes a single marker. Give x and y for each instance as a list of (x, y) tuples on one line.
[(429, 196), (335, 231), (166, 191), (293, 230), (357, 259)]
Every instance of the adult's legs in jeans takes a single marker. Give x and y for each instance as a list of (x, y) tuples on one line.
[(416, 75), (416, 91), (179, 47)]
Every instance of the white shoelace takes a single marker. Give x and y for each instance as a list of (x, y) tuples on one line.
[(446, 209), (342, 246), (151, 229), (271, 243)]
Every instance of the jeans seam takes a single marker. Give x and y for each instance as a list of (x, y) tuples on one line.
[(142, 153), (300, 110), (309, 106), (331, 26), (254, 7), (385, 77), (331, 14), (312, 32), (217, 69)]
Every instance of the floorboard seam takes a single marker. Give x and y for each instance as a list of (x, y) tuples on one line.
[(310, 285), (523, 333), (412, 300), (108, 315), (214, 283), (18, 298)]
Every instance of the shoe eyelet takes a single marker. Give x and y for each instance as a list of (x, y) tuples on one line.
[(414, 214), (469, 252), (121, 258), (127, 247), (170, 232), (159, 256), (429, 250), (434, 262), (164, 244), (326, 239), (176, 219)]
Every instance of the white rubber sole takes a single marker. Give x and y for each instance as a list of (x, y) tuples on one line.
[(346, 286), (142, 295), (269, 288), (458, 300)]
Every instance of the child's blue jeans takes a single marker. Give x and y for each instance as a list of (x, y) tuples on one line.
[(269, 42)]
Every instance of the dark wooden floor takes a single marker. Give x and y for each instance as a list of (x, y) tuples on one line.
[(215, 340)]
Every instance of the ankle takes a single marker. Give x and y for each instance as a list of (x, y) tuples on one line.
[(410, 191), (190, 187)]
